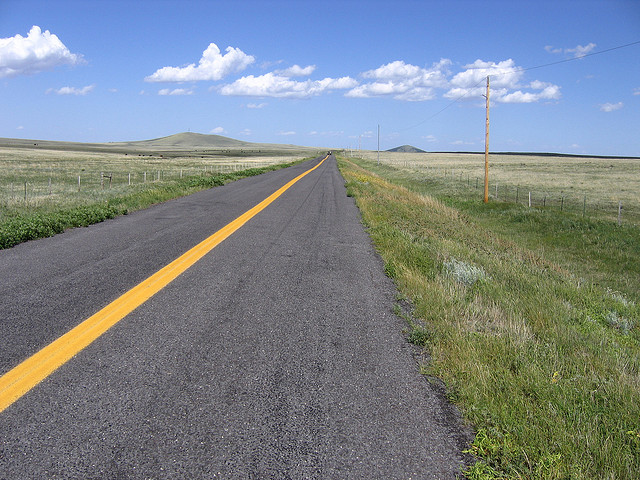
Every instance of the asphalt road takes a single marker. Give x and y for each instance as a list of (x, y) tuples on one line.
[(275, 356)]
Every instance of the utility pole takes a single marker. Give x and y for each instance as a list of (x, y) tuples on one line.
[(378, 144), (486, 150)]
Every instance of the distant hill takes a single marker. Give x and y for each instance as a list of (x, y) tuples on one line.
[(406, 149), (187, 142), (190, 140)]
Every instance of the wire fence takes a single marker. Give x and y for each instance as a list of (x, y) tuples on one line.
[(62, 187), (602, 188), (583, 204)]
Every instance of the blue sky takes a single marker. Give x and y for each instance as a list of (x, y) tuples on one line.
[(326, 73)]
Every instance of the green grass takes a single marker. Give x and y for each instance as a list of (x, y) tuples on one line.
[(525, 318), (22, 222)]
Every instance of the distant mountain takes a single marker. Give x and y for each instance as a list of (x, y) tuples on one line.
[(406, 149)]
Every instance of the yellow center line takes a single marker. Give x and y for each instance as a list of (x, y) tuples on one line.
[(18, 381)]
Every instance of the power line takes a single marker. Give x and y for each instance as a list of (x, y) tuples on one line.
[(513, 70), (579, 57)]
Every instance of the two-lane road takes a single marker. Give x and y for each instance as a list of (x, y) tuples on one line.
[(274, 356)]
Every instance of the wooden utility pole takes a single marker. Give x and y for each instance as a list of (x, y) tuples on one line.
[(486, 150)]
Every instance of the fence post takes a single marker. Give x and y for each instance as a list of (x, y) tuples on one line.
[(25, 192), (584, 207), (529, 199), (517, 194), (562, 203), (78, 182), (619, 213)]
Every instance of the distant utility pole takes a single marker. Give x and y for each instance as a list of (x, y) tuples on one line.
[(378, 144), (486, 150)]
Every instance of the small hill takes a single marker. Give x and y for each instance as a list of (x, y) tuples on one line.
[(406, 149), (189, 140)]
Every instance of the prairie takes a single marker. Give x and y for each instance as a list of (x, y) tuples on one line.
[(550, 178), (34, 172), (530, 316), (46, 187)]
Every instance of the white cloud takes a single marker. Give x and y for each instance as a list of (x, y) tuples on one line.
[(636, 91), (581, 51), (505, 86), (297, 71), (34, 53), (71, 90), (246, 132), (611, 107), (430, 138), (21, 127), (577, 52), (286, 134), (273, 85), (218, 131), (403, 81), (212, 66), (175, 91), (256, 105)]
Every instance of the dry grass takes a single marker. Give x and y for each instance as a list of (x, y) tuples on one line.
[(604, 181), (542, 360), (52, 175)]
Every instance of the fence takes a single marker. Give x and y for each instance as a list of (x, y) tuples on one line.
[(578, 203), (54, 187), (607, 188)]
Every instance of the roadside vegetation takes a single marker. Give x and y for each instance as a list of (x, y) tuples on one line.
[(20, 222), (531, 317)]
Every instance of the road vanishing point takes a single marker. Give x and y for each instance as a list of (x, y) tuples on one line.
[(242, 332)]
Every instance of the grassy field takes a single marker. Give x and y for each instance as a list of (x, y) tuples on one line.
[(46, 187), (32, 177), (603, 181), (523, 315)]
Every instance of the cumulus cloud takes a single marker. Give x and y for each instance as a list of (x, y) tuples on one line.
[(505, 84), (288, 133), (175, 91), (218, 131), (636, 91), (212, 66), (37, 52), (71, 90), (611, 107), (403, 81), (274, 85), (297, 71)]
